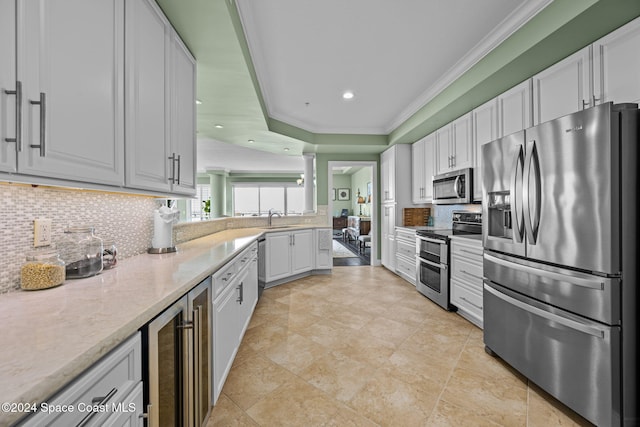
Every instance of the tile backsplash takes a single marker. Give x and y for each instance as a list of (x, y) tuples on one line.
[(443, 214), (127, 219)]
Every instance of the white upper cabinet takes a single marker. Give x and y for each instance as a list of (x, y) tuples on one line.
[(485, 129), (563, 88), (514, 109), (147, 90), (417, 171), (388, 175), (183, 116), (422, 169), (160, 107), (443, 153), (70, 63), (453, 147), (8, 83), (462, 148), (395, 175), (616, 65)]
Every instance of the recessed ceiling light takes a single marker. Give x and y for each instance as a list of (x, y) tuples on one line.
[(251, 141), (348, 95), (286, 149), (198, 102), (219, 126)]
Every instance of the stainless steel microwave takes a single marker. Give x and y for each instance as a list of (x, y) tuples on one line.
[(453, 187)]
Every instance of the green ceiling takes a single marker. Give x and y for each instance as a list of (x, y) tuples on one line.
[(228, 88)]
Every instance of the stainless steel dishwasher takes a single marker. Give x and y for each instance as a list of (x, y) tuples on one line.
[(261, 265)]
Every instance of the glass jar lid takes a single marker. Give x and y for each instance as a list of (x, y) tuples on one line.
[(79, 229), (42, 255)]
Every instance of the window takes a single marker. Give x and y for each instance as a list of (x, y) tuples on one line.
[(257, 199), (203, 192)]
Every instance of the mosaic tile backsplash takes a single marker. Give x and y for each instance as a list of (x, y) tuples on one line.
[(127, 219)]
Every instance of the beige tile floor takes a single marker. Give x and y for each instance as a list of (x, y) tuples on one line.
[(362, 348)]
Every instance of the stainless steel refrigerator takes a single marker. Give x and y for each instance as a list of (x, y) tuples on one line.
[(560, 258)]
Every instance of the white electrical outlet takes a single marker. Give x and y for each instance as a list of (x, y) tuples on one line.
[(41, 232)]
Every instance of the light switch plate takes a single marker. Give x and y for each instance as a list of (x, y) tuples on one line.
[(41, 232)]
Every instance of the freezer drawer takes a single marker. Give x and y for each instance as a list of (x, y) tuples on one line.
[(587, 295), (573, 359)]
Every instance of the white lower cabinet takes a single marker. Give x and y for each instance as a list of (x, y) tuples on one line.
[(466, 278), (128, 415), (388, 233), (406, 254), (288, 253), (235, 297), (324, 249), (111, 383)]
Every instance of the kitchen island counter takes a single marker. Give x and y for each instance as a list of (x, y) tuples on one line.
[(51, 336)]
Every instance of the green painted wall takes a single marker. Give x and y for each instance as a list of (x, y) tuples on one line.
[(342, 181), (559, 30), (322, 170), (359, 181)]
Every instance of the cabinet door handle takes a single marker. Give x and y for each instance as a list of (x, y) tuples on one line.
[(177, 180), (471, 252), (18, 94), (172, 178), (240, 289), (479, 307), (595, 100), (469, 274), (100, 401), (585, 104), (43, 120)]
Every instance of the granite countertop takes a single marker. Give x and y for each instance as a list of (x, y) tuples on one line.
[(51, 336)]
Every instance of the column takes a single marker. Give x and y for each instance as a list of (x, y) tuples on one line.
[(309, 179), (218, 180)]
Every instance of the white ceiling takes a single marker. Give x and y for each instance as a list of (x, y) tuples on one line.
[(216, 155), (394, 55)]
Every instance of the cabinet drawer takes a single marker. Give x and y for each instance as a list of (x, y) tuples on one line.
[(129, 411), (405, 249), (469, 302), (402, 234), (406, 268), (471, 249), (244, 259), (223, 278), (467, 271), (107, 382)]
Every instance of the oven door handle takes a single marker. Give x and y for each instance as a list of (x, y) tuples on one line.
[(433, 264), (427, 239)]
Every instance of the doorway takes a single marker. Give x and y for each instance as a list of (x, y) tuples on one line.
[(352, 206)]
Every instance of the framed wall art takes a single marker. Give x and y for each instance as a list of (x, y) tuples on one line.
[(344, 194)]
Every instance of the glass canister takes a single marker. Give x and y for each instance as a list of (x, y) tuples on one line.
[(81, 251), (43, 270), (109, 254)]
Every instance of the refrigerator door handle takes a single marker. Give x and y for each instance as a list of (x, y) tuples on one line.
[(578, 281), (518, 166), (566, 322), (531, 190)]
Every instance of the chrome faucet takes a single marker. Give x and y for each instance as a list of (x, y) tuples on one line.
[(271, 214)]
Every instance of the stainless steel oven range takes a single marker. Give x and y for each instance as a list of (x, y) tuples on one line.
[(432, 256)]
